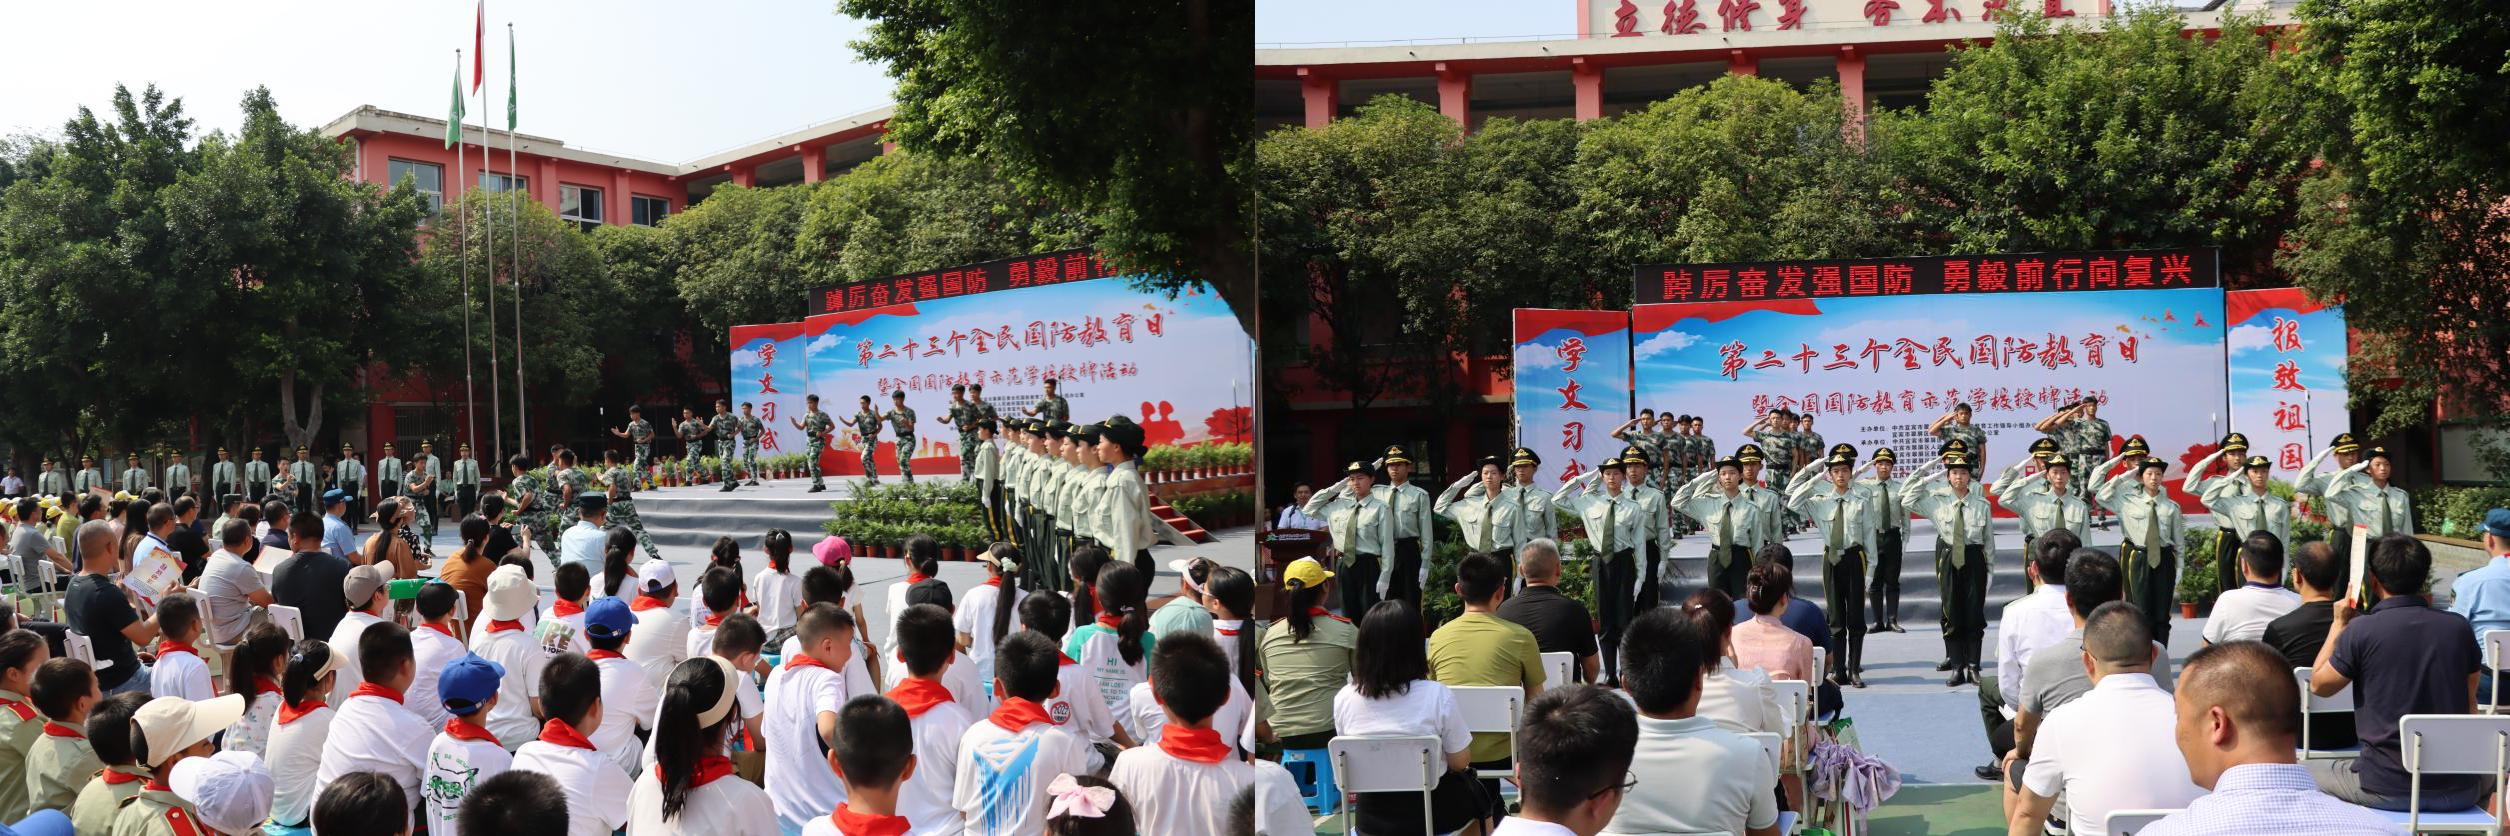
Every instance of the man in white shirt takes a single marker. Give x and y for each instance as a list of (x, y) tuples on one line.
[(2242, 613), (661, 640), (582, 542), (2113, 748), (1185, 782), (364, 588), (596, 789), (802, 703), (434, 646), (1699, 778), (501, 638), (628, 699), (374, 731), (1573, 755), (2029, 623), (231, 584), (1007, 759)]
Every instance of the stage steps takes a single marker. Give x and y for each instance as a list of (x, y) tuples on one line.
[(1165, 513)]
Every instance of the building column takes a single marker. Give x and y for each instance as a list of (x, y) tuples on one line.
[(744, 176), (1852, 84), (1589, 80), (814, 160), (1323, 97), (1455, 95), (547, 180), (620, 203), (1739, 62), (381, 426)]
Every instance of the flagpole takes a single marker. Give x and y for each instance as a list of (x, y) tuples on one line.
[(522, 412), (470, 366), (487, 157)]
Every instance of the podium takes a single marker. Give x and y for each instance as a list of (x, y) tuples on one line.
[(1281, 546)]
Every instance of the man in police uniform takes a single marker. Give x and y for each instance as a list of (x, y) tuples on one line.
[(2019, 479), (465, 480), (256, 477), (752, 430), (1730, 516), (350, 477), (52, 482), (1963, 522), (692, 434), (2046, 501), (2365, 491), (307, 477), (134, 477), (1363, 535), (2154, 528), (724, 428), (1842, 509), (1413, 521), (1486, 509), (2226, 536), (961, 416), (89, 476), (178, 478), (1655, 527), (867, 425), (389, 472), (1890, 517), (1050, 407), (2312, 482), (1535, 519), (1616, 528), (815, 427), (640, 433)]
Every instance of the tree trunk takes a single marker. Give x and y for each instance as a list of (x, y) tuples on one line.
[(299, 434)]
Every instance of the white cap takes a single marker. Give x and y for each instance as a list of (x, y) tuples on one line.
[(229, 790), (171, 724), (1184, 567), (656, 576), (510, 595)]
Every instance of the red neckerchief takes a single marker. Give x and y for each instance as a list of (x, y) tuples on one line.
[(265, 685), (58, 730), (116, 776), (289, 713), (502, 626), (850, 823), (1067, 658), (913, 578), (919, 695), (599, 654), (805, 660), (1015, 714), (557, 732), (564, 608), (715, 619), (461, 728), (369, 689), (1111, 621), (709, 768), (156, 785), (1313, 612), (1225, 631), (645, 602), (166, 647), (1197, 745), (448, 631), (994, 581)]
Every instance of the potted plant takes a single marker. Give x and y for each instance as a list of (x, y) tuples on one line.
[(2196, 585)]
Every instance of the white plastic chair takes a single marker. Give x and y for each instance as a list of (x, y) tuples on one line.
[(1559, 669), (2496, 657), (2341, 703), (2131, 822), (1386, 764), (1821, 663), (207, 618), (1490, 709), (84, 649), (289, 619), (2450, 744)]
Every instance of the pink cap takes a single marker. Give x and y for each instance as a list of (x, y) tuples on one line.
[(833, 551)]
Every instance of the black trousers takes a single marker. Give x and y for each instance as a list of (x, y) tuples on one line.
[(2153, 589), (1616, 578), (466, 499), (1964, 600), (1734, 574), (2030, 552), (2227, 574), (1358, 579), (173, 494), (1843, 591), (1884, 593), (1650, 592), (257, 491), (1403, 579)]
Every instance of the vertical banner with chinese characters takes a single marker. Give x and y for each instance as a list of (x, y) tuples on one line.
[(1180, 367), (1572, 387), (768, 373), (1876, 350), (2287, 373)]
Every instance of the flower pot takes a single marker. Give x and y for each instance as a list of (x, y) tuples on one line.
[(2187, 609)]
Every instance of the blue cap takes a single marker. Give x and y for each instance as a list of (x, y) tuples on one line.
[(2497, 521), (608, 617), (334, 495), (468, 683)]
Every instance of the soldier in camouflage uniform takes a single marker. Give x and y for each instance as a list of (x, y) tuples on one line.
[(752, 430), (1955, 426), (1052, 407), (570, 483), (639, 432), (724, 428), (419, 483), (532, 503), (902, 427), (618, 484), (1777, 439), (815, 427), (976, 399), (2083, 437), (962, 417), (692, 434), (867, 423)]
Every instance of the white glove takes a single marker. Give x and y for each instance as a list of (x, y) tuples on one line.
[(1424, 579)]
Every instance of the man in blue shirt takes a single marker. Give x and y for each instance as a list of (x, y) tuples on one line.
[(2483, 595), (2401, 657), (335, 530)]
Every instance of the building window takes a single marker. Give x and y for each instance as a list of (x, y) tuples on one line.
[(648, 211), (427, 177), (581, 204), (494, 183)]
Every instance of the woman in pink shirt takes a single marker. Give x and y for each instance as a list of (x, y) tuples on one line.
[(1763, 642)]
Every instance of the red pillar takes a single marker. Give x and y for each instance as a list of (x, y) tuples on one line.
[(618, 200), (1455, 95), (547, 181), (1322, 95), (814, 160), (1852, 83), (744, 176), (1590, 89), (1739, 62)]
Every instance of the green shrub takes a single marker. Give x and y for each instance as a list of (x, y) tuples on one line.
[(2456, 512), (887, 514)]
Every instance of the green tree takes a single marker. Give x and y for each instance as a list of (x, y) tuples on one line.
[(2404, 223), (735, 255), (904, 212), (646, 322), (1137, 114), (569, 300)]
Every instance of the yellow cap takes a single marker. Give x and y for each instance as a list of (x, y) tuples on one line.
[(1305, 572)]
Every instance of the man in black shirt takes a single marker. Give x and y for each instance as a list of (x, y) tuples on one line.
[(309, 580), (2317, 573), (1559, 623), (501, 537), (101, 610), (186, 540)]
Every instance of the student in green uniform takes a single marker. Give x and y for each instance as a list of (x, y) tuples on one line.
[(867, 427), (2233, 449), (110, 734), (902, 428), (1842, 509), (815, 427), (21, 653), (752, 431), (1655, 528), (1486, 509), (1963, 521), (60, 762), (2365, 491), (640, 433), (178, 479)]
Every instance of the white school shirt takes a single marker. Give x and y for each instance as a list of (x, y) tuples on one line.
[(858, 676), (2242, 614), (975, 620), (179, 674), (728, 806), (746, 703), (295, 755), (959, 677), (374, 734), (1111, 680), (1235, 719), (431, 649), (779, 595), (454, 767), (799, 779), (596, 790), (561, 634), (1279, 810), (1076, 709), (1426, 709), (1225, 631), (659, 643), (926, 797), (701, 643), (1003, 773), (897, 607), (1170, 794), (344, 639), (628, 701), (2111, 749), (511, 718)]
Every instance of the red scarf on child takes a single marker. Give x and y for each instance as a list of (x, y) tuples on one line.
[(850, 823), (557, 732), (1197, 745), (369, 689), (1015, 714), (919, 695)]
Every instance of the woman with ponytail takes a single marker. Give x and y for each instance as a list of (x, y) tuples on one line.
[(691, 788), (1114, 648), (1306, 658), (984, 613), (260, 661), (1232, 593), (779, 590), (616, 571)]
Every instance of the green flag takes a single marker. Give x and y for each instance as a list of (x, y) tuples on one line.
[(453, 122), (509, 78)]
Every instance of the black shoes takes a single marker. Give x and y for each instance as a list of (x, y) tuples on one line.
[(816, 488), (727, 486), (1990, 772), (1946, 664), (1896, 628)]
